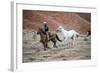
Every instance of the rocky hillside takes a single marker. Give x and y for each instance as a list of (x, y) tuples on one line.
[(80, 22)]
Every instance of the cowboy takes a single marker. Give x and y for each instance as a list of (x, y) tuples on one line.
[(45, 28)]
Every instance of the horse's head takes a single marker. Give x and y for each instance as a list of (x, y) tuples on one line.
[(39, 31), (59, 29)]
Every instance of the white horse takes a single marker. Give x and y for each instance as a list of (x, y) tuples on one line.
[(69, 36)]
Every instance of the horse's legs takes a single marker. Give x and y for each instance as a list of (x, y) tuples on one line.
[(74, 41), (66, 42), (54, 44), (69, 42), (47, 46), (44, 46)]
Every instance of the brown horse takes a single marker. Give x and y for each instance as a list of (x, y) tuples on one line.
[(51, 37)]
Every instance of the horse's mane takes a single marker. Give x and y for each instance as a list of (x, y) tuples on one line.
[(40, 29)]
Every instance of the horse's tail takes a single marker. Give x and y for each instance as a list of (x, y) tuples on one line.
[(58, 38)]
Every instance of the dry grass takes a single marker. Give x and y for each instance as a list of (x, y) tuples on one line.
[(33, 49)]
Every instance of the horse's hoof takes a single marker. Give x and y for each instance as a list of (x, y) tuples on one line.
[(49, 48), (55, 47), (44, 49)]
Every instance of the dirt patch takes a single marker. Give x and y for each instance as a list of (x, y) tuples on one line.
[(33, 50)]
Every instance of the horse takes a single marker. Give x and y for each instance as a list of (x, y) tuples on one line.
[(44, 39), (68, 35)]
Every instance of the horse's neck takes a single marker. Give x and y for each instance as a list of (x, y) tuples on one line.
[(64, 31), (41, 35)]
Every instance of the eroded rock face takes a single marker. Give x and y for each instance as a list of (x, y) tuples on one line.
[(81, 22)]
